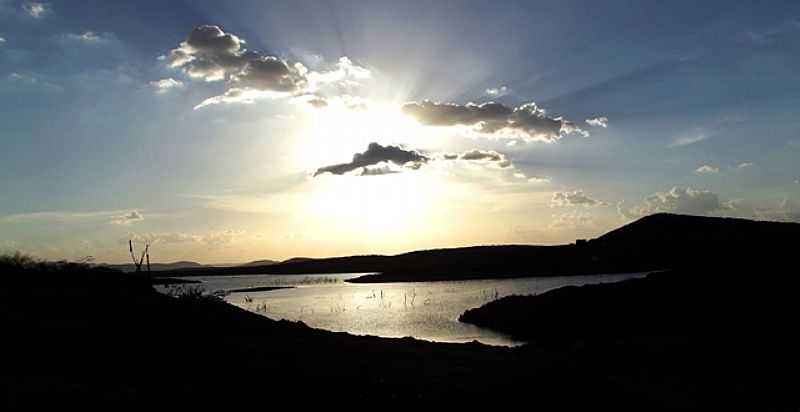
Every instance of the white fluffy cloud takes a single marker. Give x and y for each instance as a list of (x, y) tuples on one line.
[(744, 165), (539, 179), (678, 200), (498, 91), (707, 169), (528, 121), (598, 122), (165, 85), (36, 9)]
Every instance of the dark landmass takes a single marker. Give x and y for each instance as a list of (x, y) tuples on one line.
[(157, 267), (715, 333), (297, 260), (90, 337), (259, 289), (716, 330), (172, 281), (263, 262), (654, 242)]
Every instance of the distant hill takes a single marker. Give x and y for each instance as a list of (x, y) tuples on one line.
[(159, 267), (654, 242), (669, 240), (297, 259), (263, 262)]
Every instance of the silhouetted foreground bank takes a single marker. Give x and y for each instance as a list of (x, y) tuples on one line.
[(655, 242), (82, 337), (727, 331)]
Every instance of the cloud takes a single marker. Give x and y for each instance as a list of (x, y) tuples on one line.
[(212, 55), (571, 220), (317, 102), (2, 40), (213, 238), (344, 75), (88, 37), (498, 91), (382, 168), (381, 160), (766, 37), (163, 238), (598, 122), (492, 157), (34, 81), (165, 85), (239, 96), (538, 179), (786, 211), (22, 77), (575, 198), (744, 165), (706, 169), (375, 154), (35, 9), (687, 140), (527, 121), (678, 200), (64, 216), (128, 218)]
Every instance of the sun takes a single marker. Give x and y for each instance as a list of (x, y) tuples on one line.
[(384, 206), (387, 206), (334, 134)]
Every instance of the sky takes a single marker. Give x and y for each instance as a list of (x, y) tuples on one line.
[(233, 131)]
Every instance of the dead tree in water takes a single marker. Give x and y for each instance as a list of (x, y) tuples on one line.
[(145, 255)]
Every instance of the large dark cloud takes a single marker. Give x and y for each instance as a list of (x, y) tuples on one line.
[(374, 155), (527, 121), (382, 160), (211, 54)]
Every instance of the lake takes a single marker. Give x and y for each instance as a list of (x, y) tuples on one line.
[(423, 310)]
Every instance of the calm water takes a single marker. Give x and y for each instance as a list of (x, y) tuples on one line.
[(422, 310)]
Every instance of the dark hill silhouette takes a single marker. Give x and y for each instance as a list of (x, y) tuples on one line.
[(158, 267), (654, 242), (669, 240), (262, 262), (297, 259), (722, 330)]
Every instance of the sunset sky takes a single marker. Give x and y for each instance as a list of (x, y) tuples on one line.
[(233, 131)]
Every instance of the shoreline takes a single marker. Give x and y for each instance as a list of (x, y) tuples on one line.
[(258, 289)]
